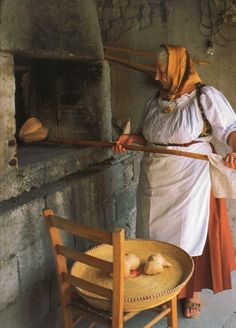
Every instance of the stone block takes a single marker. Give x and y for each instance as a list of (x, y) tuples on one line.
[(154, 2), (110, 214), (113, 179), (130, 226), (125, 204), (30, 308), (130, 12), (111, 13), (146, 11), (128, 173), (6, 64), (139, 2), (9, 282), (20, 227), (117, 3), (145, 22), (136, 167), (35, 262)]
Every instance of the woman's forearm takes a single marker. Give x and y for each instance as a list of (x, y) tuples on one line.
[(230, 158), (232, 141)]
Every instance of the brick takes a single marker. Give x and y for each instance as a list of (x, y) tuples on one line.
[(9, 282)]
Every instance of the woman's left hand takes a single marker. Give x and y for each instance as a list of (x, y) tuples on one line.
[(230, 160)]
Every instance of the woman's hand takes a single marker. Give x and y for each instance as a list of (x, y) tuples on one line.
[(230, 160), (128, 139)]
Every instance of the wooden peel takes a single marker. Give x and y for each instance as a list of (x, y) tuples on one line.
[(146, 149)]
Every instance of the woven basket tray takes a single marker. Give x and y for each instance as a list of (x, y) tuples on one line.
[(144, 291)]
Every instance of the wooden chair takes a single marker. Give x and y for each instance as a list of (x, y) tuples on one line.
[(74, 308)]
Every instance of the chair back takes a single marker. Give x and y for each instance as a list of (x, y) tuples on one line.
[(67, 281)]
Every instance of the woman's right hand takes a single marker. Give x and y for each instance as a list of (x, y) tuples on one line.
[(128, 139)]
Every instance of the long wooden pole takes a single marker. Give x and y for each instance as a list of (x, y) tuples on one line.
[(146, 149), (131, 51), (131, 64)]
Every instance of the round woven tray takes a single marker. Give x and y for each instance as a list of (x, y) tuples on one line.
[(143, 291)]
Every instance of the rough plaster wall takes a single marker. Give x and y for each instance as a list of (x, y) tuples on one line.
[(61, 27), (140, 25), (7, 143)]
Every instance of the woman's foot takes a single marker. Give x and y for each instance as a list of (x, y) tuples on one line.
[(192, 306)]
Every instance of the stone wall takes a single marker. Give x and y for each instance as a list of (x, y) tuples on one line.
[(88, 184), (8, 159)]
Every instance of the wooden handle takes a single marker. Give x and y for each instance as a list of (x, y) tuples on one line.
[(131, 64), (131, 51), (146, 149)]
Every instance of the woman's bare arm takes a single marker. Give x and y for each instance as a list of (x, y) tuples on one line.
[(230, 158)]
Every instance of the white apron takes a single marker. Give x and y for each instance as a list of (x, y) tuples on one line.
[(174, 199)]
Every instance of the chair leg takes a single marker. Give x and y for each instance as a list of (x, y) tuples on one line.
[(67, 317), (67, 320), (172, 318)]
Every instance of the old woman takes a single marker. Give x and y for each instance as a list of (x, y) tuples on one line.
[(175, 203)]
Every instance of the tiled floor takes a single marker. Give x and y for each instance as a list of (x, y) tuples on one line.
[(218, 311)]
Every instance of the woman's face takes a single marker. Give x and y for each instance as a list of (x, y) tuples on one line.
[(161, 71)]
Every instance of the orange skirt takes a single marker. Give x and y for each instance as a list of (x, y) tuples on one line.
[(213, 268)]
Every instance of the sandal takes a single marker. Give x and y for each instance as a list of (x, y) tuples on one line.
[(192, 306)]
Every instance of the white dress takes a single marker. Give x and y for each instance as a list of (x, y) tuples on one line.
[(174, 192)]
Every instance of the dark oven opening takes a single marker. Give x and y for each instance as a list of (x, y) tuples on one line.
[(65, 96)]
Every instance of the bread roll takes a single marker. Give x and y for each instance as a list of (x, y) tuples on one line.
[(133, 260), (127, 268), (159, 259), (39, 135), (153, 267), (32, 131), (30, 126)]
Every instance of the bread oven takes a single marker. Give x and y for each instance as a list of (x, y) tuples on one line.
[(66, 96), (52, 68)]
